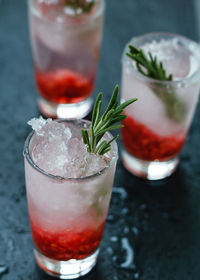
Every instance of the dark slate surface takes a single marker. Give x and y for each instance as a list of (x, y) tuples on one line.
[(159, 221)]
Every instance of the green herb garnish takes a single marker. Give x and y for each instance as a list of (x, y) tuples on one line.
[(83, 5), (150, 67), (101, 124)]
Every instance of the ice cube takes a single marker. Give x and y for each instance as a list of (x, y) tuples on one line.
[(95, 163), (38, 123), (67, 133), (61, 160)]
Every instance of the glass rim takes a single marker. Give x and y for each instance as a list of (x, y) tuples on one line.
[(29, 159), (176, 83), (97, 13)]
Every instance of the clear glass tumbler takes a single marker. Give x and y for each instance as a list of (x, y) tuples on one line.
[(65, 47), (156, 127), (67, 215)]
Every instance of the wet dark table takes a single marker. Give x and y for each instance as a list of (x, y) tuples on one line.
[(153, 228)]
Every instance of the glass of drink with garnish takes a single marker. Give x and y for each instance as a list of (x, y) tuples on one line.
[(65, 39), (163, 70), (69, 168)]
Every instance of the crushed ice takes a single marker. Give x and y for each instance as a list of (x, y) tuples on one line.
[(60, 151), (176, 58), (164, 49), (38, 123)]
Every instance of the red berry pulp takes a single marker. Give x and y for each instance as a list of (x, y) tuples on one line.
[(63, 86), (67, 244), (145, 144)]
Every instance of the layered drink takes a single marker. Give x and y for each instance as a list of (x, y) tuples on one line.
[(155, 130), (65, 39), (68, 191)]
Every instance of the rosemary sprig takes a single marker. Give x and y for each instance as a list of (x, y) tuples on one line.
[(101, 124), (84, 5), (150, 67)]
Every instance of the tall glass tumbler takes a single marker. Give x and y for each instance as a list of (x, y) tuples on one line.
[(67, 215), (156, 127), (65, 44)]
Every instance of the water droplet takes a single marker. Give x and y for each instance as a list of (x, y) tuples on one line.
[(135, 230), (111, 218), (114, 239), (126, 230), (129, 259), (3, 269), (124, 211), (120, 191), (136, 275), (11, 245), (143, 206), (110, 250)]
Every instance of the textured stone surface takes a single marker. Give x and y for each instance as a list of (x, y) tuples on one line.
[(160, 221)]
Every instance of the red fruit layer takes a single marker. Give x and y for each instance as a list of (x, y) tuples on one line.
[(63, 86), (66, 245), (145, 144)]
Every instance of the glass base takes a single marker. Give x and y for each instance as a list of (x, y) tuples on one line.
[(151, 170), (66, 269), (65, 111)]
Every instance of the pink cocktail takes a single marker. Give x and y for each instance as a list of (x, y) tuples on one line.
[(68, 191), (157, 125), (65, 46)]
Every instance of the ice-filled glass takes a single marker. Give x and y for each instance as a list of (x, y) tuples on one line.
[(157, 125), (68, 193), (65, 44)]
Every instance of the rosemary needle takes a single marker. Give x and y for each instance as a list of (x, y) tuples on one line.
[(83, 5), (150, 67), (102, 123)]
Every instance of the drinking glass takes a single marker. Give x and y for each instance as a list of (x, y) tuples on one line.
[(67, 215), (65, 48), (157, 124)]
